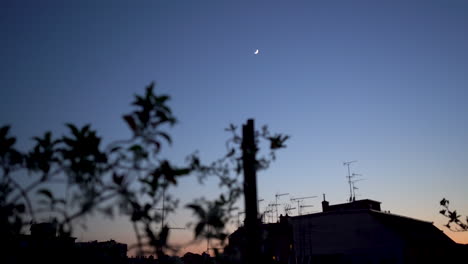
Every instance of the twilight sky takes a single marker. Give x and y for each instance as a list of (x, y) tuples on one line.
[(381, 82)]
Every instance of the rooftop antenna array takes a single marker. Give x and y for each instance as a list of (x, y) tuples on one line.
[(304, 206), (259, 201), (354, 187), (350, 176), (298, 200), (267, 212), (287, 208), (273, 209), (276, 202)]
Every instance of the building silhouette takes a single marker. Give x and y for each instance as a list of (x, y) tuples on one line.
[(354, 232), (43, 245), (101, 252)]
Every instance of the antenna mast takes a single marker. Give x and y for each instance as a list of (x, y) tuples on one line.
[(347, 163), (163, 209), (266, 213), (354, 187), (259, 201), (298, 200), (276, 203), (288, 208), (304, 206), (274, 208)]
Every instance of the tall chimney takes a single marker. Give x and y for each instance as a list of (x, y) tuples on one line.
[(325, 204)]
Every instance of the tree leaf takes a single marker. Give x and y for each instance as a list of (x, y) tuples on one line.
[(166, 137), (73, 129), (443, 202), (231, 153), (198, 210), (46, 193), (4, 131), (131, 122), (199, 228)]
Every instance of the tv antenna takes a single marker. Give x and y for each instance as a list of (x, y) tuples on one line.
[(276, 203), (274, 208), (304, 206), (174, 227), (354, 187), (267, 213), (298, 200), (163, 209), (258, 203), (287, 208), (349, 176)]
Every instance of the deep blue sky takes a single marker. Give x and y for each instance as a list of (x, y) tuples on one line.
[(381, 82)]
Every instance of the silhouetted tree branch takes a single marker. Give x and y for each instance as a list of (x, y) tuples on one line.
[(128, 177), (454, 223)]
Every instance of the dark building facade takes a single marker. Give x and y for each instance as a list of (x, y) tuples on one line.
[(44, 246), (354, 232), (101, 252), (277, 243)]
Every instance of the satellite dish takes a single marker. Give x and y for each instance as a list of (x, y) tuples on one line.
[(256, 52)]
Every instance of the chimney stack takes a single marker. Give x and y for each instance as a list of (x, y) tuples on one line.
[(325, 204)]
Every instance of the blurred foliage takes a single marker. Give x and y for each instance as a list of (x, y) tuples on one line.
[(127, 177), (454, 223)]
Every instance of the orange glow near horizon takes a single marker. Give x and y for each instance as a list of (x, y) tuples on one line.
[(458, 237), (196, 247)]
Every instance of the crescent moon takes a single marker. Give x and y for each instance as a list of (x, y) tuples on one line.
[(256, 52)]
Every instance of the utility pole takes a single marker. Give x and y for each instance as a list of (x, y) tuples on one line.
[(252, 225)]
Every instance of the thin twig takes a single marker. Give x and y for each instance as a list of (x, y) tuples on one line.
[(25, 196)]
